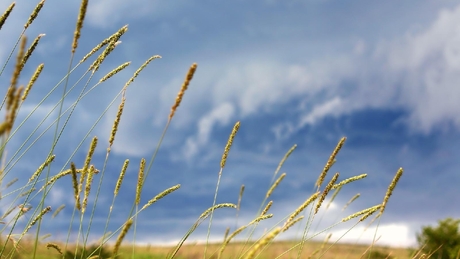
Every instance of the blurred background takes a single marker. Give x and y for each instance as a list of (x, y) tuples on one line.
[(384, 74)]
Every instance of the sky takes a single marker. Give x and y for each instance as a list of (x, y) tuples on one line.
[(383, 74)]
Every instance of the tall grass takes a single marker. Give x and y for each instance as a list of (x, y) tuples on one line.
[(22, 223)]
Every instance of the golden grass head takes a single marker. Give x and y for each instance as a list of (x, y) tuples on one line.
[(41, 167), (27, 192), (17, 71), (11, 115), (106, 41), (34, 14), (120, 178), (59, 209), (286, 156), (161, 195), (235, 129), (55, 247), (302, 207), (89, 181), (184, 87), (138, 71), (291, 223), (349, 180), (267, 207), (37, 218), (110, 47), (351, 200), (122, 235), (31, 49), (240, 196), (114, 71), (90, 154), (329, 162), (73, 171), (275, 184), (391, 188), (263, 242), (362, 212), (11, 183), (206, 213), (79, 25), (140, 181), (32, 80), (326, 191), (6, 14)]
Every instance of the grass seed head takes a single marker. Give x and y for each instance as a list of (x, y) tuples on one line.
[(285, 158), (290, 223), (138, 71), (16, 73), (41, 167), (76, 191), (37, 218), (55, 247), (11, 116), (302, 207), (161, 195), (362, 212), (32, 80), (351, 200), (240, 196), (79, 25), (122, 235), (236, 127), (140, 181), (120, 178), (329, 162), (6, 14), (275, 184), (59, 209), (184, 87), (326, 191), (390, 189), (349, 180), (30, 50), (34, 14), (206, 213), (106, 41), (89, 181), (263, 242), (114, 71), (267, 207)]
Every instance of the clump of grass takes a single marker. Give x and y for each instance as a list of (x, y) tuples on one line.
[(83, 179)]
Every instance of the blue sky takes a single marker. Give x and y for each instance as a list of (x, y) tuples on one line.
[(384, 74)]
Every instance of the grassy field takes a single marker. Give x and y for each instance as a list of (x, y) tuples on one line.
[(21, 233), (234, 250)]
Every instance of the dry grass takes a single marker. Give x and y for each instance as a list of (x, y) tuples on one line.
[(14, 237)]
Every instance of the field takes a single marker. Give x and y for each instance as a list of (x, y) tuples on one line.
[(195, 251)]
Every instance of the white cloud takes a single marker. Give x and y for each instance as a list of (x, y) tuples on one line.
[(394, 235), (418, 73), (220, 115), (321, 110), (427, 66), (104, 14)]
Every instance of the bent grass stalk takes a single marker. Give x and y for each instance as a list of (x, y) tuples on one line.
[(200, 219), (278, 168), (239, 230), (238, 205), (223, 161)]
